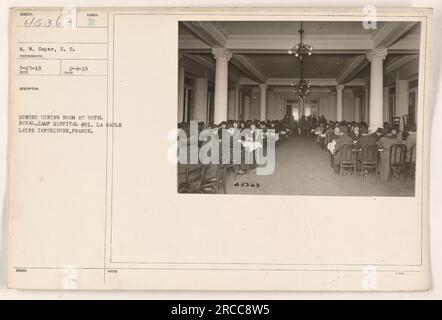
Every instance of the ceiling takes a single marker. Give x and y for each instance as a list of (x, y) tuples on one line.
[(234, 28), (322, 64), (287, 66)]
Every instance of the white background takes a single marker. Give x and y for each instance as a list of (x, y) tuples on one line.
[(435, 167)]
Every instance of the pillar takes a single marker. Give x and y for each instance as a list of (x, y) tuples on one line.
[(201, 99), (376, 57), (263, 101), (357, 112), (222, 57), (385, 105), (231, 105), (366, 102), (339, 90), (241, 106), (247, 108), (237, 101)]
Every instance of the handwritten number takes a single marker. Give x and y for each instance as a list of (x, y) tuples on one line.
[(57, 22), (247, 185), (49, 22), (29, 23)]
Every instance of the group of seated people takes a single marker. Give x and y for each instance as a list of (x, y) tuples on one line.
[(250, 137), (333, 136), (281, 127), (304, 125)]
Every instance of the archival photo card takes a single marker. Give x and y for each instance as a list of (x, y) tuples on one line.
[(219, 149)]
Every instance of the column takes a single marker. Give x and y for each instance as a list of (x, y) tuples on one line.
[(366, 102), (339, 89), (222, 57), (201, 99), (376, 57), (246, 108), (231, 105), (180, 87), (241, 106), (263, 101), (237, 101), (385, 105), (357, 117)]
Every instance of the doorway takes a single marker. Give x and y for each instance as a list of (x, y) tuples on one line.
[(292, 108), (311, 108)]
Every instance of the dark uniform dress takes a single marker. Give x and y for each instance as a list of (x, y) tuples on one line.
[(385, 144), (343, 140), (366, 140), (355, 137), (376, 136)]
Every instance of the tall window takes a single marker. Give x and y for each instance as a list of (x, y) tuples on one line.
[(189, 98)]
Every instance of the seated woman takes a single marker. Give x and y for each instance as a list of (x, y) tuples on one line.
[(273, 133), (410, 141), (384, 144), (355, 135), (395, 130), (333, 138), (252, 142), (318, 132), (323, 135), (378, 134), (365, 138), (224, 140), (344, 139)]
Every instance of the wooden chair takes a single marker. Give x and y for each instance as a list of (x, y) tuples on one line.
[(397, 159), (193, 176), (348, 159), (214, 176), (368, 159)]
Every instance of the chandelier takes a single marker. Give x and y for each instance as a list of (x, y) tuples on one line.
[(301, 49), (302, 87)]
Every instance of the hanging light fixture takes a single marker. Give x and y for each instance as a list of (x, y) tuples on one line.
[(302, 87), (301, 49)]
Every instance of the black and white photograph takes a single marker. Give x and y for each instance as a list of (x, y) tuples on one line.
[(313, 108), (226, 151)]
